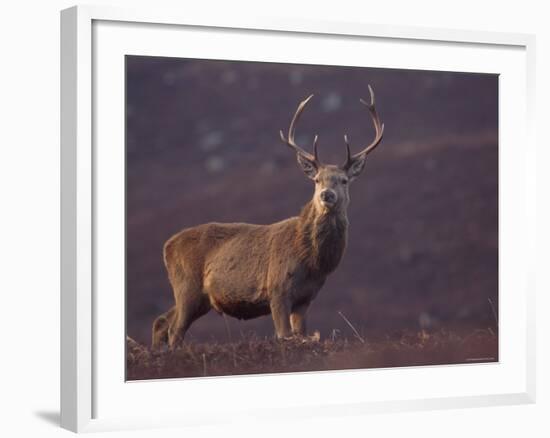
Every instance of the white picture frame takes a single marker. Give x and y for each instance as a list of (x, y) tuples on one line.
[(87, 391)]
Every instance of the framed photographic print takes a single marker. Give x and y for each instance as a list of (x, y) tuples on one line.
[(261, 208)]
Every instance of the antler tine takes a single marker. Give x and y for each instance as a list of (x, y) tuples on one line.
[(378, 126), (292, 129), (315, 152), (348, 149)]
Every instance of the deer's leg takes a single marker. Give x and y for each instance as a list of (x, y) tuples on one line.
[(280, 312), (298, 320), (177, 329), (191, 304), (160, 328)]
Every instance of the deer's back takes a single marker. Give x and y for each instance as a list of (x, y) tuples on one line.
[(227, 247)]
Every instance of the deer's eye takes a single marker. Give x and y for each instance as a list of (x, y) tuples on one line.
[(316, 180)]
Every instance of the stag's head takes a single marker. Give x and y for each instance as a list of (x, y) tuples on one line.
[(332, 181)]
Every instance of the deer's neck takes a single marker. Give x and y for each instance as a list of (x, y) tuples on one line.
[(322, 237)]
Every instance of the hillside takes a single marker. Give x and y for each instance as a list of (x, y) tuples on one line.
[(202, 146)]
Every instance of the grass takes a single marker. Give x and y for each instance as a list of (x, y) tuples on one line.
[(253, 355)]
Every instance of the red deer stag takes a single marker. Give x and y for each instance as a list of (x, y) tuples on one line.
[(246, 270)]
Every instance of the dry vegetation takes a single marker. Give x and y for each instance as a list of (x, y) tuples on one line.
[(252, 355)]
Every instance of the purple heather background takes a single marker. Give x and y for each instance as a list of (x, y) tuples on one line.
[(203, 145)]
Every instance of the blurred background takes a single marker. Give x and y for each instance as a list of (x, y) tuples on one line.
[(202, 145)]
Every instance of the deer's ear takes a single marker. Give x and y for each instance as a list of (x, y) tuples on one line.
[(308, 166), (356, 167)]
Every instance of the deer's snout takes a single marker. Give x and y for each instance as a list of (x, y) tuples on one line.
[(328, 196)]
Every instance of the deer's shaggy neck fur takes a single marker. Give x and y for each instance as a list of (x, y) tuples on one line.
[(321, 237)]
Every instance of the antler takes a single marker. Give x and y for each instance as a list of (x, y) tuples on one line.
[(291, 130), (378, 126)]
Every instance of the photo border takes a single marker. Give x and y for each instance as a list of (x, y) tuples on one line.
[(78, 198)]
